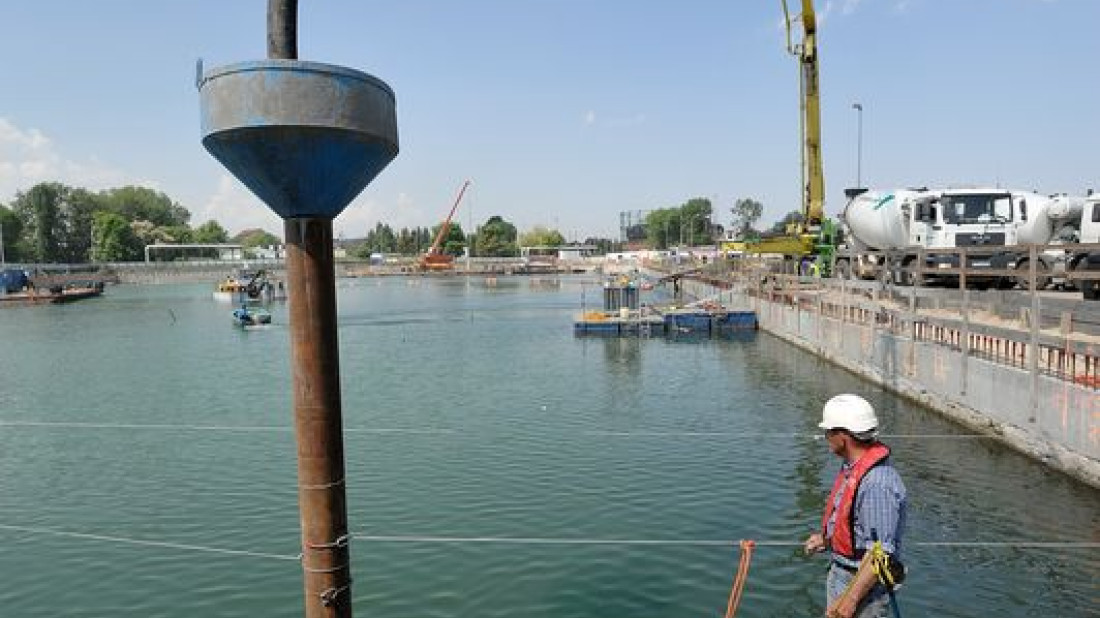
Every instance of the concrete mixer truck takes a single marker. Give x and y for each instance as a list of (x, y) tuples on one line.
[(886, 232), (1089, 261)]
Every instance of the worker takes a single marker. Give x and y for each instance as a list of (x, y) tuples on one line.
[(867, 504)]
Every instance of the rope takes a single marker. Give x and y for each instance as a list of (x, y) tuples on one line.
[(694, 542), (118, 539), (239, 428), (740, 579)]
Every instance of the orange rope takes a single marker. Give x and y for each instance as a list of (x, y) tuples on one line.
[(739, 580)]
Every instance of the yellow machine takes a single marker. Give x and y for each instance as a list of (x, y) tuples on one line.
[(803, 239)]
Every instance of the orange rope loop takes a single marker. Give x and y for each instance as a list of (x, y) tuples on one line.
[(742, 576)]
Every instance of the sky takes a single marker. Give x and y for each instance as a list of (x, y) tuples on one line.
[(566, 113)]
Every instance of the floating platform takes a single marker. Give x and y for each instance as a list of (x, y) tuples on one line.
[(670, 323), (50, 297)]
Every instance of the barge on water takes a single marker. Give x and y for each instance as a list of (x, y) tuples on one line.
[(678, 322), (623, 314), (17, 288)]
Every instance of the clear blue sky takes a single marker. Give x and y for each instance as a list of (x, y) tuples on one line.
[(566, 112)]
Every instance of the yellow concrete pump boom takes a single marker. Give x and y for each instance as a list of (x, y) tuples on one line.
[(813, 175)]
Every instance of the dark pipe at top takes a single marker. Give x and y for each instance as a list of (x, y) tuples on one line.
[(282, 29)]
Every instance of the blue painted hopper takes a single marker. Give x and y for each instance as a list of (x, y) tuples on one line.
[(305, 137)]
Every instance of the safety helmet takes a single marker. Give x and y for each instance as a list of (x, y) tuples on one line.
[(850, 412)]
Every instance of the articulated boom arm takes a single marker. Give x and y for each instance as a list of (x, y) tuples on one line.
[(813, 175), (446, 227)]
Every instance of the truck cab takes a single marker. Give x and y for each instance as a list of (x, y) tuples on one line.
[(1089, 260)]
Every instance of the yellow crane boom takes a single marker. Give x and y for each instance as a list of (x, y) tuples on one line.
[(813, 174)]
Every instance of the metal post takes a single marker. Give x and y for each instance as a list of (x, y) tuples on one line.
[(282, 29), (315, 363), (859, 143), (1033, 352), (964, 344), (3, 260)]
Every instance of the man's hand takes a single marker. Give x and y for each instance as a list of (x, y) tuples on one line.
[(842, 608), (815, 544)]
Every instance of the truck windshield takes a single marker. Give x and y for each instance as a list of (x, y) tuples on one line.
[(977, 208)]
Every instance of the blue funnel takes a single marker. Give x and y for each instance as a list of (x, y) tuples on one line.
[(305, 137)]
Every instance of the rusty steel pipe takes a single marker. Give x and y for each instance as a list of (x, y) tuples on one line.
[(282, 29), (315, 364)]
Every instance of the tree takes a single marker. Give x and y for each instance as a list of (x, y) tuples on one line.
[(39, 213), (746, 212), (381, 239), (11, 229), (406, 241), (115, 240), (210, 233), (141, 203), (541, 236), (454, 243), (662, 227), (496, 238), (695, 215), (256, 237)]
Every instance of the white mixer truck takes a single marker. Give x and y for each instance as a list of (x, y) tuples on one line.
[(1089, 260), (900, 224)]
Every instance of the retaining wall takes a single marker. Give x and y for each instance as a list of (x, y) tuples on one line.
[(1044, 415)]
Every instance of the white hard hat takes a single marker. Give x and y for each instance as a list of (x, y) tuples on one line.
[(850, 412)]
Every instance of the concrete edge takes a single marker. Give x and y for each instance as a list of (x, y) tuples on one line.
[(1054, 455)]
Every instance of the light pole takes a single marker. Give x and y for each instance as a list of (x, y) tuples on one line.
[(859, 143), (3, 261)]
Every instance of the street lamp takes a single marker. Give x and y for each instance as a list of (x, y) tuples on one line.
[(859, 143)]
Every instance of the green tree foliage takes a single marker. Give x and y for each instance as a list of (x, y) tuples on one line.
[(39, 212), (256, 237), (144, 204), (496, 238), (454, 243), (687, 223), (380, 240), (11, 230), (663, 227), (695, 214), (746, 212), (115, 240), (210, 233), (541, 236)]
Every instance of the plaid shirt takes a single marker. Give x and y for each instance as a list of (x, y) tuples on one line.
[(880, 505)]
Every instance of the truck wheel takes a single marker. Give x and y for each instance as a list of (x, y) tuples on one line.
[(1090, 288), (1042, 274)]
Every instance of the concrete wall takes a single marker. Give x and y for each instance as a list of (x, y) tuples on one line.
[(1050, 419), (1060, 425)]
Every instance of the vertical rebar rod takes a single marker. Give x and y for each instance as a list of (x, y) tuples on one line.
[(282, 29), (315, 363)]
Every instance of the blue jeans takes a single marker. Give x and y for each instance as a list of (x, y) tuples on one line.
[(875, 605)]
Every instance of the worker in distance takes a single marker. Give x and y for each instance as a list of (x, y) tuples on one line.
[(864, 518)]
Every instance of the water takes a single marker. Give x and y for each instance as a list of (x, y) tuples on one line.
[(500, 424)]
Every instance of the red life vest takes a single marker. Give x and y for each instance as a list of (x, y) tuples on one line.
[(842, 541)]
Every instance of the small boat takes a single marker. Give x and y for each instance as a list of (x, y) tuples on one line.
[(251, 287), (250, 317)]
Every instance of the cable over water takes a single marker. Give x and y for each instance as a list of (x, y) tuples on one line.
[(377, 538), (446, 431)]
